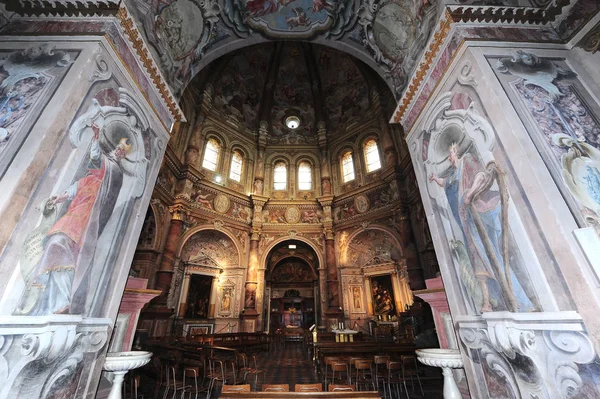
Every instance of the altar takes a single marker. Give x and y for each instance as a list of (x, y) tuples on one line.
[(345, 335)]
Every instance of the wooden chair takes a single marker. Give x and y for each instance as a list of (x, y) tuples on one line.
[(329, 362), (410, 370), (275, 387), (246, 368), (380, 363), (364, 373), (308, 388), (341, 388), (394, 378), (236, 388)]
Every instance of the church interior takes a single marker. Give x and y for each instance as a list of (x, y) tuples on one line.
[(300, 198)]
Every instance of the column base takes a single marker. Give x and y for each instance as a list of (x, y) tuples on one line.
[(249, 319)]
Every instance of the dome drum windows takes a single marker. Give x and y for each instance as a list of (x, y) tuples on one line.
[(304, 176), (211, 154), (280, 176), (235, 169), (347, 167), (371, 153)]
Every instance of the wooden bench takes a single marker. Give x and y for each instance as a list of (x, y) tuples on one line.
[(356, 349), (291, 395)]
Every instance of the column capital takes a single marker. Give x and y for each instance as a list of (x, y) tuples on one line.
[(325, 200), (259, 200), (179, 212)]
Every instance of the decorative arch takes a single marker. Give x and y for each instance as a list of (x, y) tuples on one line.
[(358, 53), (210, 227), (311, 244), (389, 251)]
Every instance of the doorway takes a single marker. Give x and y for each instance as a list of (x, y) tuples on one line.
[(292, 287)]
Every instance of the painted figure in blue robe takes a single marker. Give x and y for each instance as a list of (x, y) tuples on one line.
[(465, 178)]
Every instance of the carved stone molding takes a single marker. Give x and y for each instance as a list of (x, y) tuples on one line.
[(591, 41), (39, 354), (552, 343)]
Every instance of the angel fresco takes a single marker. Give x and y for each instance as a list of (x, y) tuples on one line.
[(59, 256)]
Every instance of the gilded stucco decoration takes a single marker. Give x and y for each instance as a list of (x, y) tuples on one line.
[(211, 244)]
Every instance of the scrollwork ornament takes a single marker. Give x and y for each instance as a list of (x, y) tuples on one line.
[(102, 71), (591, 41)]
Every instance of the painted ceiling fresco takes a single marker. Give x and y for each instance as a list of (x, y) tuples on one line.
[(292, 95), (240, 84), (185, 35), (275, 80), (345, 90)]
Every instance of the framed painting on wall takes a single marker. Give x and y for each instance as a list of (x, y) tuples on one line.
[(356, 299), (383, 295), (198, 329)]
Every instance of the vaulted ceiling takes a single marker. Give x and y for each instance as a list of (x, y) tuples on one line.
[(186, 35), (272, 81)]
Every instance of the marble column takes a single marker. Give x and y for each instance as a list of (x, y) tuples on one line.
[(325, 161), (185, 286), (251, 277), (389, 150), (259, 167), (164, 275), (333, 284), (409, 249)]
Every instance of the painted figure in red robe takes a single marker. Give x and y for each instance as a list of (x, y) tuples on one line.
[(59, 282)]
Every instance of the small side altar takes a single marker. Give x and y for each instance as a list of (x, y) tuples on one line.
[(344, 335)]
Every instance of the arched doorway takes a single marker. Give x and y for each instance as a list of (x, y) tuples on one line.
[(291, 286)]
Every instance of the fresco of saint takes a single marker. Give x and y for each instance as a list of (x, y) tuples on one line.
[(471, 204), (60, 278)]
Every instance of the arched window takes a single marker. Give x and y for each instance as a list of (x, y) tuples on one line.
[(347, 167), (235, 170), (372, 155), (280, 176), (211, 154), (304, 176)]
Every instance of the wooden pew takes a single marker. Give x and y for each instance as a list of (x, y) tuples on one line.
[(354, 349), (296, 395)]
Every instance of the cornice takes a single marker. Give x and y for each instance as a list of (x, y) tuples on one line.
[(142, 51), (63, 8), (361, 190), (434, 47)]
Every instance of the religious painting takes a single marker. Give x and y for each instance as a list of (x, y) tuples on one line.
[(226, 298), (66, 260), (471, 191), (292, 272), (237, 88), (28, 78), (198, 297), (356, 298), (283, 19), (198, 329), (382, 295)]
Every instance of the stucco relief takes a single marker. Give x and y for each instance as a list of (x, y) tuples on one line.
[(28, 79), (569, 130), (211, 244)]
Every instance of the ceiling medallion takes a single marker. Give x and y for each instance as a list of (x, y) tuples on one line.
[(292, 122)]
